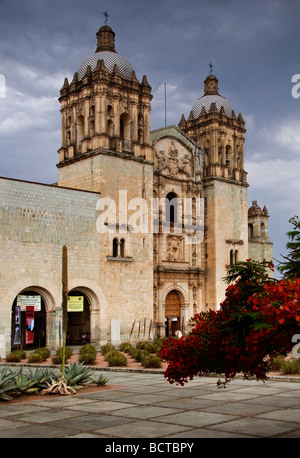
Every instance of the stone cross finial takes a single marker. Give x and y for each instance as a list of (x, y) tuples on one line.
[(106, 17)]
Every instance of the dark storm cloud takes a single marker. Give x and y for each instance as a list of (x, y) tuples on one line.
[(253, 46)]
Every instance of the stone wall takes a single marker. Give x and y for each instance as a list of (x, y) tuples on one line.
[(36, 221)]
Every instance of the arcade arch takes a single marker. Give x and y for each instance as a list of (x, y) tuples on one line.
[(29, 319)]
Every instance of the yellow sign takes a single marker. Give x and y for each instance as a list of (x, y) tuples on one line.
[(75, 304)]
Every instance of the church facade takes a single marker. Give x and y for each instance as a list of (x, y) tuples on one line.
[(151, 220)]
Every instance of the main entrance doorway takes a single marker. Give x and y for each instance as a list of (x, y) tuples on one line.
[(28, 321), (78, 332), (172, 313)]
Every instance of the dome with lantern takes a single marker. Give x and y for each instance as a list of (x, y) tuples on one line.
[(106, 51), (211, 95)]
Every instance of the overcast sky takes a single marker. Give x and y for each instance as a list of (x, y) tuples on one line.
[(254, 47)]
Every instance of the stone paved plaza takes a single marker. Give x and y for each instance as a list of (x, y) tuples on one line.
[(145, 405)]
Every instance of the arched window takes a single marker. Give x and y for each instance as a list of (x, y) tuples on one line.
[(118, 248), (110, 110), (233, 257), (250, 230), (172, 208), (262, 229), (110, 128), (80, 128), (122, 248), (115, 247), (125, 131), (92, 128), (228, 155), (140, 129)]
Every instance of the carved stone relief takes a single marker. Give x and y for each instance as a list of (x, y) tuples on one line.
[(175, 249), (173, 162)]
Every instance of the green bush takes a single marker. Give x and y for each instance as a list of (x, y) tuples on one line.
[(125, 346), (35, 358), (133, 352), (39, 355), (107, 348), (16, 356), (87, 354), (277, 363), (151, 361), (116, 358), (57, 359), (150, 347), (140, 355), (44, 352), (291, 366)]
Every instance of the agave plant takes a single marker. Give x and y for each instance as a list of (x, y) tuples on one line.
[(25, 384), (42, 375), (100, 380), (75, 375), (7, 384)]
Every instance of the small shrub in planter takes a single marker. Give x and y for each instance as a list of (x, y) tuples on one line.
[(35, 357), (116, 358), (291, 366), (140, 355), (16, 356), (147, 346), (125, 346), (39, 355), (277, 363), (133, 352), (57, 359), (87, 354), (151, 361), (107, 348), (44, 352)]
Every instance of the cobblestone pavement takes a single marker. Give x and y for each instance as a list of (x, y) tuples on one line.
[(145, 405)]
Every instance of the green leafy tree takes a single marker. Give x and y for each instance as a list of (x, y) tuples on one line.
[(290, 268)]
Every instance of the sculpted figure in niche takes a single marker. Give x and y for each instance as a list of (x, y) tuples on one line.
[(161, 160), (174, 249), (185, 165), (173, 151)]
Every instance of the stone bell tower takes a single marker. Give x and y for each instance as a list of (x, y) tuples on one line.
[(260, 246), (106, 149), (104, 109), (213, 125)]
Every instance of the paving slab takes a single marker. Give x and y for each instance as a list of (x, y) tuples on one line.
[(142, 429)]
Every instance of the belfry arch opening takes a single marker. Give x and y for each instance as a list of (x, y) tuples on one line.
[(125, 131), (172, 208), (172, 313), (78, 331), (28, 321)]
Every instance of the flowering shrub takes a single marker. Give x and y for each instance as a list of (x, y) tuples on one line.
[(255, 323)]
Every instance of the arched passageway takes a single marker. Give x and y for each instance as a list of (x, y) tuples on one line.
[(28, 321), (79, 322)]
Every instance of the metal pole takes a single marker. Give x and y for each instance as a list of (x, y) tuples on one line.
[(165, 104)]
